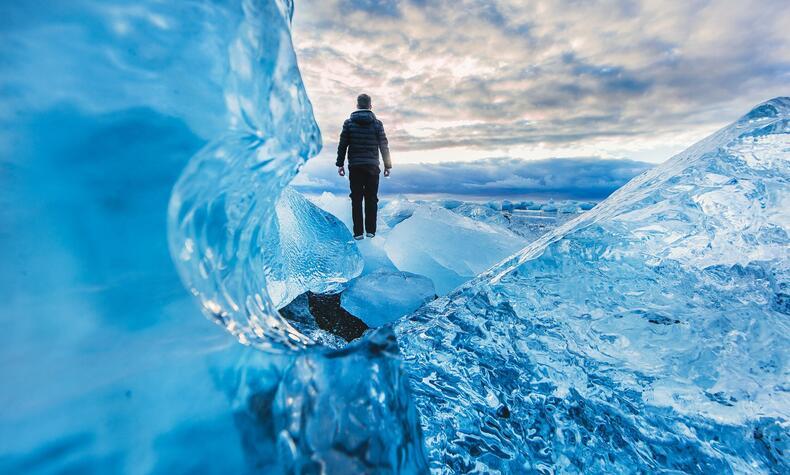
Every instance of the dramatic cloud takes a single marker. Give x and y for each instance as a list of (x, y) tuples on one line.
[(466, 79), (572, 178)]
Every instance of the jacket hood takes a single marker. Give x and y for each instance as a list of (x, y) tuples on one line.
[(363, 116)]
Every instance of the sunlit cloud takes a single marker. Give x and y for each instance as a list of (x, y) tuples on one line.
[(461, 80)]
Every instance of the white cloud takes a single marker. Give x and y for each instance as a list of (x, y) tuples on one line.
[(471, 78)]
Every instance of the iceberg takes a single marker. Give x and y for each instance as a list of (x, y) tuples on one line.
[(549, 206), (524, 218), (382, 297), (434, 242), (450, 203), (648, 334)]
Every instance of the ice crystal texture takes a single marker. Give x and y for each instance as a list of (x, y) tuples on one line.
[(221, 214), (311, 251), (650, 333), (106, 364), (348, 413)]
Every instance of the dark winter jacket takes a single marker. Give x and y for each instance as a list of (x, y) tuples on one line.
[(363, 136)]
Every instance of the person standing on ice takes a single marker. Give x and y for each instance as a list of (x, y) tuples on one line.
[(363, 137)]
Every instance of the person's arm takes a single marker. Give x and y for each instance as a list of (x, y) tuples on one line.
[(342, 146), (384, 147)]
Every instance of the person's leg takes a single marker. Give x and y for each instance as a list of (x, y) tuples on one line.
[(356, 178), (371, 199)]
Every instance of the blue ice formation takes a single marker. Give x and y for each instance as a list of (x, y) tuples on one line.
[(374, 252), (435, 242), (311, 250), (397, 210), (524, 218), (221, 225), (480, 212), (345, 411), (528, 223), (384, 296), (431, 239), (348, 412), (105, 367), (649, 334)]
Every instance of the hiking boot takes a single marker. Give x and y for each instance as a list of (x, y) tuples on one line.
[(359, 238), (370, 235)]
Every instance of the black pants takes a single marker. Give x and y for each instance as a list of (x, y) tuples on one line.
[(364, 181)]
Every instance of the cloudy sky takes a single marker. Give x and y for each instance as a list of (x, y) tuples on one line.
[(538, 95)]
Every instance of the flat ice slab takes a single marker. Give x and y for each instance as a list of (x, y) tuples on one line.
[(384, 296), (447, 247)]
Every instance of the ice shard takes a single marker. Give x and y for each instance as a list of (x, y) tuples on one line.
[(311, 250), (649, 334)]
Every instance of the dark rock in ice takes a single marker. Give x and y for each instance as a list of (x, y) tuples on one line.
[(330, 316)]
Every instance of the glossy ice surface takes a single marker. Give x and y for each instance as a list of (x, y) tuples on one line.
[(447, 247), (383, 296), (649, 333), (105, 362), (312, 251)]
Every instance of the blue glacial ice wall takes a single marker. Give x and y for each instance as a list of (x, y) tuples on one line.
[(648, 334), (105, 366)]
